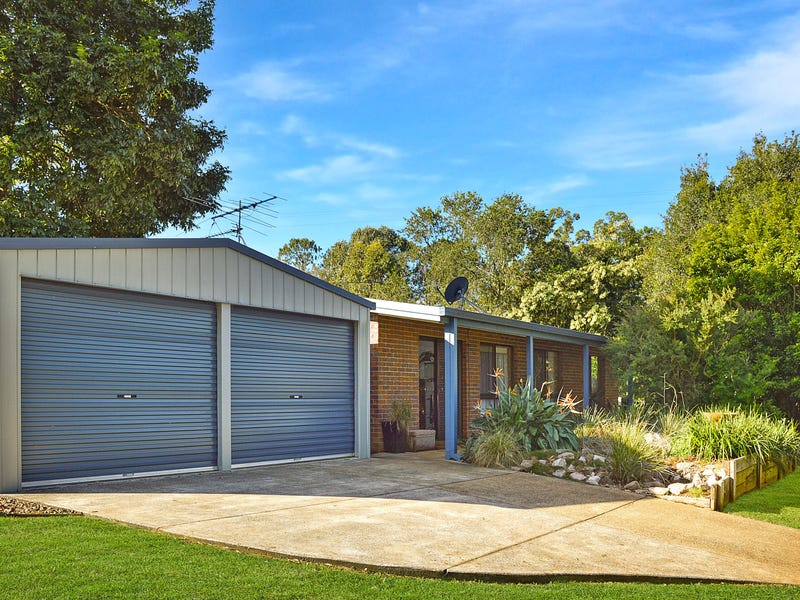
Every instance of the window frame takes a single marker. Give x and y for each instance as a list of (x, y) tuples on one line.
[(551, 365), (491, 396)]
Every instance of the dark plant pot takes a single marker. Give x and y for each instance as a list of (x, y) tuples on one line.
[(394, 438)]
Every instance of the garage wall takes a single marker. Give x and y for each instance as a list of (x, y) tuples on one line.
[(213, 274), (218, 274)]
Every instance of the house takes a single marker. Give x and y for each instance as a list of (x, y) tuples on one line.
[(127, 357), (441, 360)]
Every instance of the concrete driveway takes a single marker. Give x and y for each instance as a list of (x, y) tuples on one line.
[(417, 513)]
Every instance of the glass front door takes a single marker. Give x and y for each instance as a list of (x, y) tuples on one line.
[(428, 376)]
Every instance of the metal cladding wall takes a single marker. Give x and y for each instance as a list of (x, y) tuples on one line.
[(292, 388), (83, 350)]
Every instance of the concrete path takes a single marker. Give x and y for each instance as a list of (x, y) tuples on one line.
[(417, 513)]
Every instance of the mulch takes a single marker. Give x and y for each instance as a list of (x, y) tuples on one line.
[(16, 507)]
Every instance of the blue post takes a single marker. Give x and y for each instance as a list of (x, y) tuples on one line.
[(530, 360), (451, 390), (587, 377)]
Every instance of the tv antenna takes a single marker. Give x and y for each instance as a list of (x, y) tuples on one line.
[(457, 290), (237, 227)]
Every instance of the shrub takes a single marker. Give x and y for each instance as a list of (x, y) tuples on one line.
[(533, 421), (628, 442), (632, 455), (722, 434), (496, 448)]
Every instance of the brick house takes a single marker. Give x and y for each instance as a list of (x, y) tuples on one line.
[(440, 360)]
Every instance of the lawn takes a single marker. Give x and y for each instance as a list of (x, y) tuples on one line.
[(80, 557), (777, 503)]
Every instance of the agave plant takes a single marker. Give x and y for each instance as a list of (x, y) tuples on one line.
[(536, 422)]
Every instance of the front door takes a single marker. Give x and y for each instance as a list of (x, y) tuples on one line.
[(428, 377)]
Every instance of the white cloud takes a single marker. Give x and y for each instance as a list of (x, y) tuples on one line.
[(566, 183), (336, 169), (369, 147), (762, 92), (295, 125), (274, 83)]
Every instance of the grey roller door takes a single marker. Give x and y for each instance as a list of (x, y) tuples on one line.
[(84, 350), (291, 386)]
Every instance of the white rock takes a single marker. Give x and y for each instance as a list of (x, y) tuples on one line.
[(577, 476), (598, 458), (526, 464), (559, 473), (566, 455), (707, 472), (582, 459), (542, 461), (559, 462), (570, 468), (632, 485), (721, 473), (593, 480), (658, 490), (676, 489), (684, 466), (697, 481), (711, 480)]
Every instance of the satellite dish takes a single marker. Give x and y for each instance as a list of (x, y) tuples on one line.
[(456, 290)]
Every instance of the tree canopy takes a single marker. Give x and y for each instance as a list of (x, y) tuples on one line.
[(722, 282), (97, 131)]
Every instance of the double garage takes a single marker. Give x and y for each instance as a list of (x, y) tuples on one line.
[(138, 357)]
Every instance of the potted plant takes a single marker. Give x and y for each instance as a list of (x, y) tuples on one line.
[(395, 429)]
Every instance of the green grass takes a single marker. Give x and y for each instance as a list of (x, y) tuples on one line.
[(79, 557), (777, 503)]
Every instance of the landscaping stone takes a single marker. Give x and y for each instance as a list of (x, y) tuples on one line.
[(632, 485), (571, 468), (559, 463), (658, 491), (598, 458), (543, 461), (569, 455), (577, 476), (526, 464), (593, 480), (676, 489), (559, 473), (582, 459)]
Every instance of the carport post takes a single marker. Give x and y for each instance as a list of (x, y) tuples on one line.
[(530, 367), (451, 390), (587, 377)]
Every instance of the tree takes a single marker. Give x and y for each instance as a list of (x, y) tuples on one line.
[(723, 280), (373, 263), (601, 282), (97, 135), (301, 253), (502, 247)]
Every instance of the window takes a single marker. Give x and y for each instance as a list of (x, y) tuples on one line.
[(545, 371), (493, 358)]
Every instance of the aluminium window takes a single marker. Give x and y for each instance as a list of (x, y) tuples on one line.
[(545, 372), (494, 359)]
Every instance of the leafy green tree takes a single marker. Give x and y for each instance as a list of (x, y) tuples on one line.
[(723, 278), (603, 280), (501, 247), (301, 253), (98, 135), (374, 263)]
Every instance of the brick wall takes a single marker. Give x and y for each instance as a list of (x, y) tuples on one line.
[(394, 369)]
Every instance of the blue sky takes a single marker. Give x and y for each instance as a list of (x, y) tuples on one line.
[(356, 112)]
